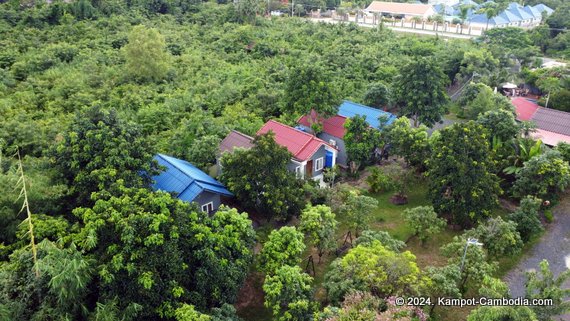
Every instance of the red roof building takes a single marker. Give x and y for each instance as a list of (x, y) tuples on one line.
[(333, 125), (300, 144), (525, 108), (553, 126)]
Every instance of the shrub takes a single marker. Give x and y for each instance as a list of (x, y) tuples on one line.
[(378, 181)]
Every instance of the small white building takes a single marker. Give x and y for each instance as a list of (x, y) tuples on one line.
[(401, 10)]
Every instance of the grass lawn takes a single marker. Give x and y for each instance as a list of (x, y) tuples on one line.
[(387, 217)]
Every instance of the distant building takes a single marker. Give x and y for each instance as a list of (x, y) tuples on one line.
[(333, 127), (401, 10), (552, 126), (189, 183)]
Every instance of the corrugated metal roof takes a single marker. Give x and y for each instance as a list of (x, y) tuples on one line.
[(300, 144), (185, 179), (349, 109), (235, 139), (550, 138), (552, 120), (333, 125), (541, 7)]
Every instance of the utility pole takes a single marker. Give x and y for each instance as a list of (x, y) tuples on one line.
[(470, 241)]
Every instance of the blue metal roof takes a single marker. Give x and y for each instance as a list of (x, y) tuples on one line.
[(533, 12), (541, 7), (185, 179), (349, 109)]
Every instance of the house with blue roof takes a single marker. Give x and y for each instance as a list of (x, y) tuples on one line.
[(333, 130), (189, 183), (515, 15)]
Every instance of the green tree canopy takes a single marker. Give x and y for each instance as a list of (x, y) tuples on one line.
[(260, 180), (309, 88), (461, 182), (527, 218), (499, 237), (99, 149), (373, 267), (499, 123), (319, 223), (284, 247), (288, 293), (420, 89), (360, 140), (159, 252), (146, 55), (543, 176), (409, 142), (424, 222)]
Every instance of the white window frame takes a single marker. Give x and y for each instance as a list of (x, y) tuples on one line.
[(208, 206), (321, 161)]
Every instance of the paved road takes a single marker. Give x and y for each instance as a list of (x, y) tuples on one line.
[(554, 247), (405, 30)]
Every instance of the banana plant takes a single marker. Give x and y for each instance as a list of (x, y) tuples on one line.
[(525, 150)]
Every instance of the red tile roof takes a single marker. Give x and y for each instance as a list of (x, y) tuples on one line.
[(235, 139), (333, 126), (300, 144), (525, 108)]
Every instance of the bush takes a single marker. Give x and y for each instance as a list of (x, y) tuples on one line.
[(548, 216), (378, 181), (543, 176), (526, 218)]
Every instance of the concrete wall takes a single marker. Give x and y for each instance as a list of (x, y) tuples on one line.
[(341, 157), (207, 197)]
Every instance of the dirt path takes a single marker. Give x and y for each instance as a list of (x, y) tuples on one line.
[(554, 247)]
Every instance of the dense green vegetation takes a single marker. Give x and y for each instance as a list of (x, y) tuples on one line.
[(91, 90)]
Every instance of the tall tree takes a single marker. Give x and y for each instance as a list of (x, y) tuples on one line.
[(319, 223), (378, 95), (358, 209), (374, 268), (260, 180), (288, 293), (146, 55), (461, 182), (99, 149), (527, 218), (499, 123), (420, 89), (360, 140), (542, 284), (309, 87), (543, 176), (499, 237), (158, 252), (475, 265), (424, 222), (409, 142), (283, 247)]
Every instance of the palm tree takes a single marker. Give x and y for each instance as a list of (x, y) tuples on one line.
[(463, 11)]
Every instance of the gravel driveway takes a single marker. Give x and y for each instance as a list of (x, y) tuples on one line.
[(554, 247)]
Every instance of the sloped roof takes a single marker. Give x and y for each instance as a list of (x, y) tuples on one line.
[(518, 10), (300, 144), (333, 125), (550, 138), (185, 179), (541, 7), (235, 139), (524, 108), (535, 13), (399, 8), (552, 120), (349, 109)]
